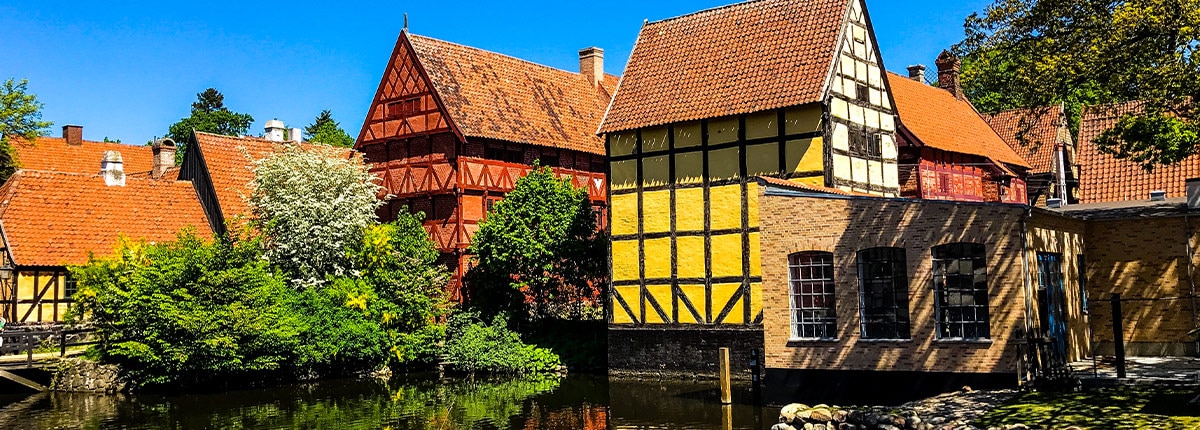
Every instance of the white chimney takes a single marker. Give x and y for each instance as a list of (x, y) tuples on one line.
[(296, 135), (275, 130), (112, 167), (1193, 193)]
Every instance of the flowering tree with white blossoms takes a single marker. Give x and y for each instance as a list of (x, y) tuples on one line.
[(312, 204)]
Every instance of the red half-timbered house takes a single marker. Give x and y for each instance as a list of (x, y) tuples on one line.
[(451, 129), (947, 150)]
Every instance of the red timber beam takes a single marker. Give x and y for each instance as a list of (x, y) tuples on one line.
[(497, 176)]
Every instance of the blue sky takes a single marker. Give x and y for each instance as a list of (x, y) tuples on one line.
[(127, 70)]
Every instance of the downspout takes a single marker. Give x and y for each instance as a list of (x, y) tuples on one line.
[(1187, 224), (1025, 276)]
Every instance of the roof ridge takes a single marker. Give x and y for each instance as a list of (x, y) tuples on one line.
[(709, 10), (522, 60)]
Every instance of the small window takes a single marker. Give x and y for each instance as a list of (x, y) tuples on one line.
[(812, 295), (404, 108), (489, 205), (1081, 267), (862, 93), (70, 287), (515, 156), (550, 160), (883, 293), (960, 288), (494, 153)]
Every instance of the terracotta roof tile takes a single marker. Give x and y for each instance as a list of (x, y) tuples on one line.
[(807, 187), (230, 162), (1104, 178), (56, 218), (1033, 133), (495, 96), (941, 121), (52, 154), (741, 58)]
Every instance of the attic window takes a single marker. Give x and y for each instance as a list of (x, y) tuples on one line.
[(862, 93), (404, 108)]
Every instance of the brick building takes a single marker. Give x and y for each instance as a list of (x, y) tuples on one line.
[(451, 129)]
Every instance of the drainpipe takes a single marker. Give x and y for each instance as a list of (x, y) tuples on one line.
[(1025, 276)]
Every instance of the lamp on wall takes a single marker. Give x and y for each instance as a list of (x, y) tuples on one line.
[(6, 272)]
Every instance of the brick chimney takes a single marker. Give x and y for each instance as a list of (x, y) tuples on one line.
[(591, 64), (164, 157), (917, 73), (112, 167), (948, 66), (73, 134)]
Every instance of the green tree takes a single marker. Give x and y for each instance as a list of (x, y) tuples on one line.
[(209, 115), (20, 119), (540, 243), (327, 131), (312, 204), (1030, 53)]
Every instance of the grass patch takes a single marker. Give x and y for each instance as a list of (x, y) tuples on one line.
[(1130, 408)]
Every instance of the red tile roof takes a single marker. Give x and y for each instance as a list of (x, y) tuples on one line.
[(741, 58), (1104, 178), (230, 161), (53, 154), (495, 96), (807, 187), (56, 218), (943, 122), (1033, 133)]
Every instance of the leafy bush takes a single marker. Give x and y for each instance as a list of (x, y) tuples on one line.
[(312, 204), (474, 346), (189, 310), (539, 253)]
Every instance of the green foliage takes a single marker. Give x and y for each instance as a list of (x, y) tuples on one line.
[(1031, 53), (477, 347), (312, 204), (209, 115), (1139, 408), (1151, 139), (20, 119), (327, 131), (107, 140), (539, 253), (189, 310)]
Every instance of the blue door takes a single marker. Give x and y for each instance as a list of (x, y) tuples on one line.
[(1052, 301)]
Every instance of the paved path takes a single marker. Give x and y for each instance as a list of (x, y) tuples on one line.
[(1177, 371)]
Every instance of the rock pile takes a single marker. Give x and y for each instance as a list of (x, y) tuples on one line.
[(953, 411)]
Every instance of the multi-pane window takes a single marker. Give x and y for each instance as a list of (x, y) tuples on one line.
[(864, 143), (960, 286), (812, 302), (404, 108), (1081, 266), (883, 293), (70, 287)]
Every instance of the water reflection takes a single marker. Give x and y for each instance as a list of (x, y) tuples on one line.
[(413, 403)]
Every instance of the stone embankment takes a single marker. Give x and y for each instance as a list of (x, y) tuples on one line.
[(78, 375), (953, 411)]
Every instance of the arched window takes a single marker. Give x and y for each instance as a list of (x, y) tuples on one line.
[(960, 285), (883, 293), (812, 301)]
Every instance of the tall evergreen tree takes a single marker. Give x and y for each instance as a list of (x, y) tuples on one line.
[(20, 119), (327, 131), (210, 115)]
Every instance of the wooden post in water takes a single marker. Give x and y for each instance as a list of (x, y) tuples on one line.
[(726, 392)]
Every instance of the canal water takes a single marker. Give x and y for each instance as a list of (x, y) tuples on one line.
[(407, 403)]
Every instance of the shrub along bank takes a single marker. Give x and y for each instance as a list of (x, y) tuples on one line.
[(270, 303)]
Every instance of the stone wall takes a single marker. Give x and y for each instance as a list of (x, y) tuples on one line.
[(78, 375), (948, 411), (682, 351)]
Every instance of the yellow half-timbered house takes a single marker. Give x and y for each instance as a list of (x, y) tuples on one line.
[(789, 89)]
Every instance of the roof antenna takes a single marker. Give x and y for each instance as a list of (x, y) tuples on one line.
[(405, 21)]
